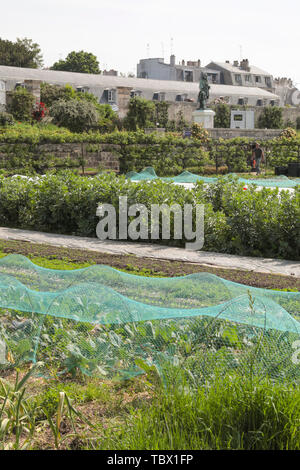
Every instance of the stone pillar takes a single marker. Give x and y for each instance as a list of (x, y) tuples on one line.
[(123, 98), (204, 117), (34, 87)]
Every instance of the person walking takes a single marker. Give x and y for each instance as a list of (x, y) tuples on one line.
[(259, 157)]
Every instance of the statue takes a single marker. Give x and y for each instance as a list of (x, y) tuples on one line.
[(204, 91)]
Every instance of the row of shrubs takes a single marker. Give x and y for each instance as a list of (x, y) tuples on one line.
[(254, 222), (168, 154)]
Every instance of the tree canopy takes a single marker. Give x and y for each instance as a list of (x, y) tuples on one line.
[(82, 62), (22, 53)]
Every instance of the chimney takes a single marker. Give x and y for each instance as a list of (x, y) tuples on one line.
[(199, 63), (245, 65), (236, 63), (172, 60), (183, 62)]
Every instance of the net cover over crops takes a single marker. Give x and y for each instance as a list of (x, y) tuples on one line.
[(149, 174), (103, 321)]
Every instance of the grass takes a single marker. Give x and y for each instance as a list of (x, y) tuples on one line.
[(227, 413)]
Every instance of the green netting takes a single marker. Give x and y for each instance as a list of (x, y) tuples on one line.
[(187, 177), (103, 321)]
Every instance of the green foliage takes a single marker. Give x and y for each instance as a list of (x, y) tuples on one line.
[(22, 53), (289, 133), (107, 118), (199, 133), (82, 62), (51, 93), (270, 118), (230, 413), (161, 114), (253, 223), (6, 120), (140, 114), (22, 104), (76, 115), (222, 117)]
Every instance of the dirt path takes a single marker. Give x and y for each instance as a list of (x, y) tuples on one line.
[(158, 252)]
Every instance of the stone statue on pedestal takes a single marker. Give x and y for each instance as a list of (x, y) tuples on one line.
[(204, 91)]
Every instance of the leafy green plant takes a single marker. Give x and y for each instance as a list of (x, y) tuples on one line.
[(270, 118), (6, 120), (17, 415), (76, 115), (21, 104)]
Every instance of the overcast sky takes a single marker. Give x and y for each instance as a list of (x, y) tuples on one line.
[(118, 31)]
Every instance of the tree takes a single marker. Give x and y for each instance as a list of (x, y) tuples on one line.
[(81, 62), (270, 118), (222, 117), (22, 53), (140, 114)]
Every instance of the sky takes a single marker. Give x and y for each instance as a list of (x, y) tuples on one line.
[(120, 32)]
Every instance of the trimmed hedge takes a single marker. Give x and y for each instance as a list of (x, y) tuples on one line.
[(168, 154), (255, 222)]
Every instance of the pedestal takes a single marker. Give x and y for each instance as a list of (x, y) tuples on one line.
[(204, 117)]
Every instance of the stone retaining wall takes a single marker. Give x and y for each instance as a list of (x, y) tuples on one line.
[(104, 156)]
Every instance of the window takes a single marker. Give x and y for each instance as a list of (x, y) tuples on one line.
[(257, 79), (135, 93), (268, 82), (111, 96), (238, 79), (159, 96), (241, 101), (248, 79), (238, 117), (188, 76), (19, 85), (259, 103), (182, 97)]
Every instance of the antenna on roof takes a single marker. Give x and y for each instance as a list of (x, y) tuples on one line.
[(172, 45), (148, 50), (241, 52), (162, 50)]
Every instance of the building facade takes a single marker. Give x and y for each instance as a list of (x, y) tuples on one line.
[(186, 71)]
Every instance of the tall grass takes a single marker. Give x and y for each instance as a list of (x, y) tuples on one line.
[(230, 413)]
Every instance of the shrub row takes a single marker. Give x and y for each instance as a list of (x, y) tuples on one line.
[(168, 154), (254, 222)]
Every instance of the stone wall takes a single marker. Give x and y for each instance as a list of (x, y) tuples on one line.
[(255, 134), (103, 156)]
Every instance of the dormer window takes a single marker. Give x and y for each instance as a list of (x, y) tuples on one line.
[(159, 96), (135, 93)]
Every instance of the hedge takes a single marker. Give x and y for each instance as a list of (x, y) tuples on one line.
[(168, 154), (255, 222)]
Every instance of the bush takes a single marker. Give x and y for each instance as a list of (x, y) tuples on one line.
[(22, 104), (270, 118), (6, 120), (289, 133), (252, 223), (75, 115)]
